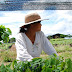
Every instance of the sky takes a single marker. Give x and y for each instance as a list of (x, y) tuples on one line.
[(60, 21)]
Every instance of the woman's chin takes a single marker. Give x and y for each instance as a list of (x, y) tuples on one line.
[(38, 30)]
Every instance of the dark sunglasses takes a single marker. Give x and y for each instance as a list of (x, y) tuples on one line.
[(36, 22)]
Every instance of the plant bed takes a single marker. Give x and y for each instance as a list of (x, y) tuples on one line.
[(52, 64)]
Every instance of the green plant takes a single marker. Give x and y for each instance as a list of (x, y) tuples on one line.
[(6, 68), (52, 64), (4, 34), (7, 59)]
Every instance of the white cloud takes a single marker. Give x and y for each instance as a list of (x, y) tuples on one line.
[(14, 28), (60, 21), (9, 17)]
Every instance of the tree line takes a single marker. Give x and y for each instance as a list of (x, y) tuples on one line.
[(58, 35)]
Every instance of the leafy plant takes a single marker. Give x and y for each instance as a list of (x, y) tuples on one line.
[(7, 59), (4, 33), (52, 64)]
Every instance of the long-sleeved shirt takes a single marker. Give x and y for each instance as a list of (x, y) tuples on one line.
[(27, 51)]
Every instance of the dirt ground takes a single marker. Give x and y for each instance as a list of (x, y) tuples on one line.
[(13, 48)]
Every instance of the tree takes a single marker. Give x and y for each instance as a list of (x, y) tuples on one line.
[(12, 40), (4, 34), (62, 35)]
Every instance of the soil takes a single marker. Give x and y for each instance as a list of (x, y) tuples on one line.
[(13, 48), (2, 50)]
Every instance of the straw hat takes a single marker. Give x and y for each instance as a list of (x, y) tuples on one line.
[(32, 18)]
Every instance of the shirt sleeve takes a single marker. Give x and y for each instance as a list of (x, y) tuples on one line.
[(47, 46), (22, 53)]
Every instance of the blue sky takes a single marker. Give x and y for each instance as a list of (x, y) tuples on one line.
[(60, 21)]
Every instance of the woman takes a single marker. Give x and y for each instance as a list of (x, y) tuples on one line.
[(31, 40)]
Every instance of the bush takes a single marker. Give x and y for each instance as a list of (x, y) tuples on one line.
[(4, 34), (52, 64)]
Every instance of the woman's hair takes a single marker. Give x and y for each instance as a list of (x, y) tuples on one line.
[(24, 28)]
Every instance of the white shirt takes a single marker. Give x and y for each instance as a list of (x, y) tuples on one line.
[(27, 51)]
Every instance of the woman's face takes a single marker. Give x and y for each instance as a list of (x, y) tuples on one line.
[(36, 26)]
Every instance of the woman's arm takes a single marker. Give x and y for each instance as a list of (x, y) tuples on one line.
[(47, 46)]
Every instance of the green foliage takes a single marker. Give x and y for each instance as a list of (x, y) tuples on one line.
[(52, 64), (50, 37), (69, 35), (12, 40), (5, 68), (7, 59), (59, 35), (62, 35), (5, 46), (4, 33)]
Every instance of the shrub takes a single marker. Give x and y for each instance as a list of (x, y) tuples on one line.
[(52, 64), (4, 34)]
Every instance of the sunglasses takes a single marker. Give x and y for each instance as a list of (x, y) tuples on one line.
[(36, 22)]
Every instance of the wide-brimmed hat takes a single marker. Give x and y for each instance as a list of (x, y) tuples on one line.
[(32, 18)]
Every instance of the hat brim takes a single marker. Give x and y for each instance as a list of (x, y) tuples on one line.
[(34, 21)]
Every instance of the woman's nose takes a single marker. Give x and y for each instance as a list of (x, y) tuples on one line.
[(40, 24)]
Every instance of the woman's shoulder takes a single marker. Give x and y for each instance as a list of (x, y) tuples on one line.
[(40, 33), (19, 35)]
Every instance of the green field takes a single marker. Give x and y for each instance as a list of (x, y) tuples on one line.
[(62, 46)]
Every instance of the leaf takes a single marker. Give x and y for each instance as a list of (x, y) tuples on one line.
[(9, 31), (9, 69), (0, 43), (4, 33), (2, 68), (48, 69), (28, 70), (59, 66), (2, 28), (69, 64), (8, 65)]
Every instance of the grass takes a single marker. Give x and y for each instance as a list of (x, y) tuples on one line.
[(61, 41), (7, 56), (62, 47)]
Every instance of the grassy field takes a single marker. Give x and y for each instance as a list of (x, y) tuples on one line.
[(62, 46)]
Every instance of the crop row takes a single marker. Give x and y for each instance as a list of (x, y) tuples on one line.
[(51, 64)]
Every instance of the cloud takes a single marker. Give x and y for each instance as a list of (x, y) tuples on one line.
[(14, 28), (9, 17), (15, 19), (60, 21)]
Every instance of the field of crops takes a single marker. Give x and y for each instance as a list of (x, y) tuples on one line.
[(62, 46)]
